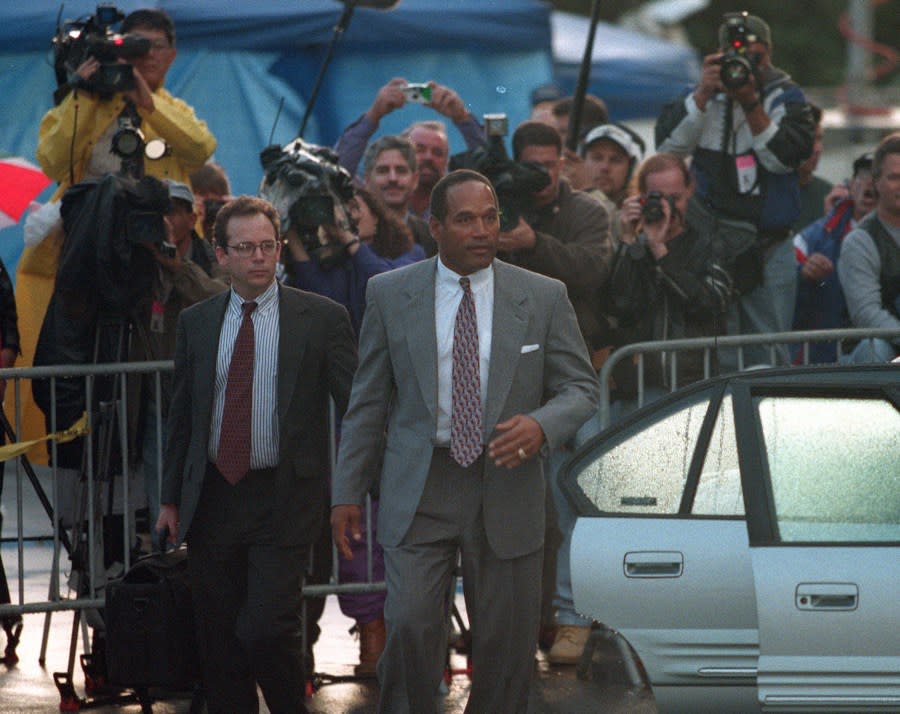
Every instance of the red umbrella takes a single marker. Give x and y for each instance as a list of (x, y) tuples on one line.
[(20, 183)]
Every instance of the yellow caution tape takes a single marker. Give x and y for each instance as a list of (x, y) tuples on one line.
[(78, 429)]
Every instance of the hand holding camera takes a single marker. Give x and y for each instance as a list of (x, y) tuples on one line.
[(399, 92), (657, 213)]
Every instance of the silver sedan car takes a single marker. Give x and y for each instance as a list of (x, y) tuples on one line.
[(743, 536)]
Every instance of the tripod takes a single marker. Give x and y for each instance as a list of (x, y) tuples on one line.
[(111, 345)]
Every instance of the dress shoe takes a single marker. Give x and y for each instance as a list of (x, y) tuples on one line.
[(569, 644)]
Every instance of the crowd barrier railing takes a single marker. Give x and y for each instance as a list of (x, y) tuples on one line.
[(709, 346)]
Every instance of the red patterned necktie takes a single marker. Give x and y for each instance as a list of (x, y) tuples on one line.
[(465, 413), (233, 456)]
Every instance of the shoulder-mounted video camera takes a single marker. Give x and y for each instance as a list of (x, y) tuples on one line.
[(514, 181), (738, 63), (77, 40), (304, 182)]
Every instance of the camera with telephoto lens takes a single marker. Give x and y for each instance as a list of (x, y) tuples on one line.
[(513, 181), (77, 40), (738, 64), (652, 209), (305, 182)]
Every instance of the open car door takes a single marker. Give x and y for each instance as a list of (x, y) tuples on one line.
[(824, 525)]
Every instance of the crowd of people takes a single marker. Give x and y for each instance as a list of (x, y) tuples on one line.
[(460, 343)]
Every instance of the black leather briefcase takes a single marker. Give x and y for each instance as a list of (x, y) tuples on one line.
[(150, 637)]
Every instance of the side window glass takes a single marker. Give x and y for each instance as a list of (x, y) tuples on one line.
[(646, 471), (719, 488), (841, 485)]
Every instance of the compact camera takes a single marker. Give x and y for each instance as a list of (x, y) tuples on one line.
[(417, 93)]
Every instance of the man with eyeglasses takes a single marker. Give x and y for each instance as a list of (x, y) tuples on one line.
[(246, 468), (74, 145), (76, 136)]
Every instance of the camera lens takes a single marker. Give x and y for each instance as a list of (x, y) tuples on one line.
[(127, 143)]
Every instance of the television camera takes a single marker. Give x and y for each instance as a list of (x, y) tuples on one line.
[(77, 40), (514, 181), (306, 184)]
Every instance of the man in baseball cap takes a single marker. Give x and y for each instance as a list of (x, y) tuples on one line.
[(610, 152)]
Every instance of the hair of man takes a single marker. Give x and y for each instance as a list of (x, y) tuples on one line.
[(243, 206), (387, 143), (889, 145), (210, 179), (151, 18), (593, 112), (430, 124), (454, 178), (658, 163), (534, 133)]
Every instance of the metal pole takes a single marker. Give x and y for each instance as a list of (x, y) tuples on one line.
[(583, 77)]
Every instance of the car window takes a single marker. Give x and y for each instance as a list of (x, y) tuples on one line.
[(719, 488), (646, 471), (833, 467)]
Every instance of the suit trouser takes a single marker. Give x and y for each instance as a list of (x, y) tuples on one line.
[(502, 601), (246, 591)]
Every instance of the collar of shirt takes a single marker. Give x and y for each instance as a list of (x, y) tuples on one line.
[(480, 280), (264, 302)]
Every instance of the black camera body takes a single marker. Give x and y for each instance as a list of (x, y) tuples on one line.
[(513, 181), (304, 182), (77, 40), (738, 64), (652, 209)]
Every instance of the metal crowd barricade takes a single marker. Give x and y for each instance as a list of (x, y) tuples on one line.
[(117, 410), (709, 345), (91, 598)]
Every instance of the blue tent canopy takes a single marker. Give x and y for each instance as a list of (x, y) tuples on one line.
[(635, 74)]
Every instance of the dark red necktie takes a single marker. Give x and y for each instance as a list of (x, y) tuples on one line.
[(465, 412), (233, 456)]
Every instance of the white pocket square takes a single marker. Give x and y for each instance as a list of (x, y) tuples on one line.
[(529, 348)]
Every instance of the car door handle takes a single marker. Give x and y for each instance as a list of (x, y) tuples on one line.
[(827, 596), (654, 564)]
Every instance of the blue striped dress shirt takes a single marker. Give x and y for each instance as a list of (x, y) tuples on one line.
[(264, 429)]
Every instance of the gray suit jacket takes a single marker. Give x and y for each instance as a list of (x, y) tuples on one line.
[(395, 391), (316, 358)]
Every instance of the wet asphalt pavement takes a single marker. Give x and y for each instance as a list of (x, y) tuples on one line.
[(27, 687)]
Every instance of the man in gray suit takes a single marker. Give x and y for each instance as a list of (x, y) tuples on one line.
[(483, 496), (246, 471)]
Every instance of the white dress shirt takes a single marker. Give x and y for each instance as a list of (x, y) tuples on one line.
[(447, 296)]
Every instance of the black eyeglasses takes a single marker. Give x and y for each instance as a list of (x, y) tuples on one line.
[(248, 249)]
